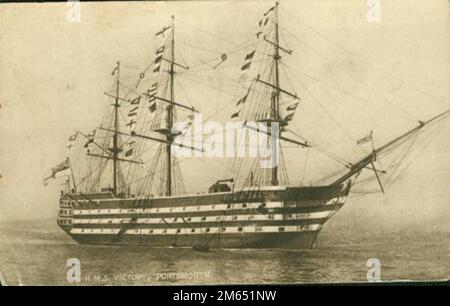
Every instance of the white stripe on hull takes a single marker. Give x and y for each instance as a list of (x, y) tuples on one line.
[(197, 208), (220, 218), (202, 230)]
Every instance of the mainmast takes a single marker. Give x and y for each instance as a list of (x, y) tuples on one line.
[(169, 138), (170, 114)]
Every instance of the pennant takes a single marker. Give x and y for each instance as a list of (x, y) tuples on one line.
[(152, 107), (289, 117), (246, 66), (270, 10), (181, 128), (90, 138), (163, 30), (292, 107), (73, 137), (250, 55), (88, 143), (157, 69), (154, 86), (365, 139), (131, 126), (129, 152), (235, 115), (160, 50), (267, 20), (136, 101), (132, 114), (260, 23), (114, 71), (131, 123), (241, 100), (158, 59)]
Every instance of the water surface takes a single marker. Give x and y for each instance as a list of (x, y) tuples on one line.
[(36, 253)]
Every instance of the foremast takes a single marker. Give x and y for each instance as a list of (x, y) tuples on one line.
[(169, 117), (169, 102), (266, 101), (276, 100), (275, 122)]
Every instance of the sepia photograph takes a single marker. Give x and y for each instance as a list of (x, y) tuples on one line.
[(177, 143)]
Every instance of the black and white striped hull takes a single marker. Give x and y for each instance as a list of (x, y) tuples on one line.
[(273, 217)]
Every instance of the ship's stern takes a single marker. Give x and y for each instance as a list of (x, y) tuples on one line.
[(65, 214)]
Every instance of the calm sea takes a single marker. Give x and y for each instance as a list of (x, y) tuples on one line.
[(36, 253)]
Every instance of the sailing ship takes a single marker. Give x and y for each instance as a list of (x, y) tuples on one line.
[(146, 203)]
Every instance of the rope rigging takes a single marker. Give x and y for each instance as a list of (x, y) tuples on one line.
[(257, 89), (364, 61)]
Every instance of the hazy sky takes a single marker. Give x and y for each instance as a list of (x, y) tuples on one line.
[(53, 74)]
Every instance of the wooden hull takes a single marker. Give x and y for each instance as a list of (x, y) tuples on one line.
[(272, 217)]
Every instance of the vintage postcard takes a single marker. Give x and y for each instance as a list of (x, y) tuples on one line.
[(224, 142)]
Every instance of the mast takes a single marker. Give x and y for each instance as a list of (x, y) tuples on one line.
[(112, 153), (170, 114), (275, 102), (166, 132), (115, 149), (275, 119)]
